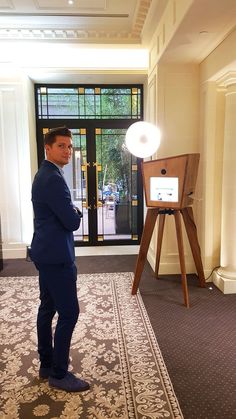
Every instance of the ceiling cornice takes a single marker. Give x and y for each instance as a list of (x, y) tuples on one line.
[(227, 79), (71, 33)]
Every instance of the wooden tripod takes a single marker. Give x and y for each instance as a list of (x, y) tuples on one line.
[(190, 226)]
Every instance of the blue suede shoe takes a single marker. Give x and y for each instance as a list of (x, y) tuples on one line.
[(69, 383), (44, 373)]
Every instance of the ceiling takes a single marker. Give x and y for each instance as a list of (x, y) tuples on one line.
[(103, 21), (206, 24), (118, 23)]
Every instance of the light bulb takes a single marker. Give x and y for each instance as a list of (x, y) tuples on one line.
[(142, 139)]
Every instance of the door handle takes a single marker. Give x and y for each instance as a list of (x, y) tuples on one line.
[(84, 169), (98, 168)]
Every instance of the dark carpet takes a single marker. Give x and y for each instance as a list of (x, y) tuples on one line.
[(198, 344)]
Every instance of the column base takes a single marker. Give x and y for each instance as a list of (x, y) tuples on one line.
[(225, 281)]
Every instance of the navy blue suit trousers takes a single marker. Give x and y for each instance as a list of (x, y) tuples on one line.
[(57, 294)]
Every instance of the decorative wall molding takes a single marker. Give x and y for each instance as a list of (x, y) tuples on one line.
[(152, 99), (70, 33), (227, 79), (83, 4), (6, 5)]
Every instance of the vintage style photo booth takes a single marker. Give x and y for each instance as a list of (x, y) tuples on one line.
[(169, 185)]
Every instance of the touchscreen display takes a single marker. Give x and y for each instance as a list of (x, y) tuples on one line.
[(164, 189)]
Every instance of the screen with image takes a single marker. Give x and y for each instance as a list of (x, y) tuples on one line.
[(164, 189)]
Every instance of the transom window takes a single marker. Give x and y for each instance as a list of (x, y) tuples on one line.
[(89, 102)]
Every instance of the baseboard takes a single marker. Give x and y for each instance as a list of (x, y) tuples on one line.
[(106, 250), (21, 252), (226, 285), (170, 267), (16, 253)]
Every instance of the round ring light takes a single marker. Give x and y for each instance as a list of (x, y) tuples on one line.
[(142, 139)]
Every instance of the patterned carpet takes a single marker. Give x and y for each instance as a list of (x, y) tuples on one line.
[(113, 347)]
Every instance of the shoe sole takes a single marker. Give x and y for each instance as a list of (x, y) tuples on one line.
[(70, 391)]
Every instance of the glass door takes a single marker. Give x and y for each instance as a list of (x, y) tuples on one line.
[(105, 184), (116, 187), (76, 175)]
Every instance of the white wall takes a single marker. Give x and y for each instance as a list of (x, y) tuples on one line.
[(186, 101), (217, 72), (19, 154), (210, 172), (16, 139), (188, 104), (173, 103)]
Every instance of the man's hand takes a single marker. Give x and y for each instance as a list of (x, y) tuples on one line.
[(78, 211)]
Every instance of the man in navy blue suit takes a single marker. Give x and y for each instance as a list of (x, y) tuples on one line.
[(52, 251)]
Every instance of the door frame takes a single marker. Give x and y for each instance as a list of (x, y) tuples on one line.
[(90, 125)]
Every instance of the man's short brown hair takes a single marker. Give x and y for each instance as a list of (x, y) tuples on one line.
[(50, 136)]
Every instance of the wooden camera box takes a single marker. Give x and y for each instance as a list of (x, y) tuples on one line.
[(170, 182)]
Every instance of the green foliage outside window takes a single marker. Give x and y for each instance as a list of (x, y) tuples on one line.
[(95, 103)]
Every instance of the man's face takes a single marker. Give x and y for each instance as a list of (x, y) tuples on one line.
[(60, 151)]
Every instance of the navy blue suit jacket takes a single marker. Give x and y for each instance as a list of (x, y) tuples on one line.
[(55, 217)]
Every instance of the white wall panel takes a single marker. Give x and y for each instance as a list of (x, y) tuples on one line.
[(10, 199), (15, 170), (173, 93), (152, 99)]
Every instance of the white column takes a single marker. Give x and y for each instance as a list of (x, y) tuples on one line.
[(225, 276)]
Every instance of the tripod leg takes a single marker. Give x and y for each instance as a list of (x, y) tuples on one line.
[(159, 241), (191, 229), (181, 256), (144, 245)]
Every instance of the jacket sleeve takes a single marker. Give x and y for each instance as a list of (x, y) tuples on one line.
[(58, 198)]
